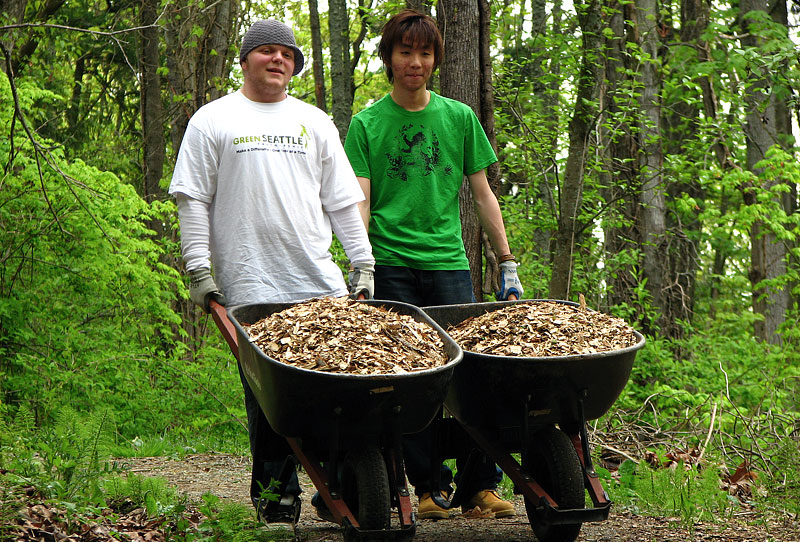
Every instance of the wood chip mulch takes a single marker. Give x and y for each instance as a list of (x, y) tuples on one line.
[(543, 329), (342, 336)]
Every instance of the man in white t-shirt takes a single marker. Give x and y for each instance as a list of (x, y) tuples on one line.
[(261, 183)]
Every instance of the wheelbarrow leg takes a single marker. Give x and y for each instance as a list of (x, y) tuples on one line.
[(393, 455), (319, 476), (580, 440), (464, 490), (435, 457)]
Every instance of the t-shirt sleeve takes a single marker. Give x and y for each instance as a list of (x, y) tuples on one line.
[(357, 148), (196, 168), (339, 186), (478, 152)]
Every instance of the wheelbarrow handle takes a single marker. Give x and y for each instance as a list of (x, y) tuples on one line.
[(225, 326)]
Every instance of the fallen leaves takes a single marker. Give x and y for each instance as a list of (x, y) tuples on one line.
[(342, 336), (543, 329), (44, 522)]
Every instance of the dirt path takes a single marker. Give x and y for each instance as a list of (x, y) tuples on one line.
[(228, 477)]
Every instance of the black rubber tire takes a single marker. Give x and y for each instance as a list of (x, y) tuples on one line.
[(365, 488), (552, 461)]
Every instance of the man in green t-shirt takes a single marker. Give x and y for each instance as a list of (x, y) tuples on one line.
[(410, 152)]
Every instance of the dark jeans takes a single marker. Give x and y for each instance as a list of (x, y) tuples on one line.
[(266, 446), (423, 289)]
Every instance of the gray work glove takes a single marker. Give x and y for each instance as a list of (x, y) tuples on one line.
[(362, 282), (202, 289), (509, 282)]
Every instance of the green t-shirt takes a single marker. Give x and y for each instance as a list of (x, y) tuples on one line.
[(416, 162)]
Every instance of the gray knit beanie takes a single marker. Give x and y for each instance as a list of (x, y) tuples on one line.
[(271, 32)]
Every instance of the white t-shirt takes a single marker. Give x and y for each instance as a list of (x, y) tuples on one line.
[(270, 172)]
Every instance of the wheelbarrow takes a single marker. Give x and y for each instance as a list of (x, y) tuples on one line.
[(351, 423), (538, 407)]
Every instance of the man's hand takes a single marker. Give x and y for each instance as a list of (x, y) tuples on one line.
[(202, 289), (509, 282), (362, 282)]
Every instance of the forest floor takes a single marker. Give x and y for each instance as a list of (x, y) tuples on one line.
[(228, 477)]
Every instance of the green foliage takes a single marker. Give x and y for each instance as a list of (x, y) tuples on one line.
[(717, 372), (683, 491), (153, 494), (780, 492), (68, 466), (713, 399), (90, 312), (65, 461), (231, 521), (87, 300), (523, 218)]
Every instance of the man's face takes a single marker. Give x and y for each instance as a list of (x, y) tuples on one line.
[(267, 71), (412, 66)]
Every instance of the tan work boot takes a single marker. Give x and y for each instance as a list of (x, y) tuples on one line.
[(488, 500), (428, 509)]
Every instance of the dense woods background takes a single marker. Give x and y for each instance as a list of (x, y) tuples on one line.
[(648, 161)]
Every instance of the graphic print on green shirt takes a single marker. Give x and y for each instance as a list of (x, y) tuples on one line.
[(416, 162), (417, 154)]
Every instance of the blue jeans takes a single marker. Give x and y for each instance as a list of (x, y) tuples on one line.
[(423, 289), (265, 446)]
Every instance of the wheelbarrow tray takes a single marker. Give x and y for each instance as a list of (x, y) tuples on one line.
[(317, 406), (495, 391)]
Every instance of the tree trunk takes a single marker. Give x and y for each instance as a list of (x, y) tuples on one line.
[(767, 252), (316, 52), (75, 101), (151, 108), (581, 127), (783, 127), (460, 76), (199, 63), (650, 160), (491, 275), (423, 6), (341, 80), (681, 120), (620, 173), (545, 97), (199, 71), (23, 50), (365, 18), (695, 16)]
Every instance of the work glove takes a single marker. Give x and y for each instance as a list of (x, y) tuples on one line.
[(509, 282), (362, 282), (202, 289)]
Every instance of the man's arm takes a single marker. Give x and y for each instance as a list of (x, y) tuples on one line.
[(489, 212), (491, 219), (194, 220), (349, 229), (364, 206)]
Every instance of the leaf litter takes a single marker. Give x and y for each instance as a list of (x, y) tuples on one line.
[(339, 335), (543, 329)]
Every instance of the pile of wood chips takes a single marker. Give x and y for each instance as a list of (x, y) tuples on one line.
[(543, 329), (341, 336)]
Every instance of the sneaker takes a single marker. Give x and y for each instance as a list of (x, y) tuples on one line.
[(427, 509), (287, 510), (489, 501), (323, 512)]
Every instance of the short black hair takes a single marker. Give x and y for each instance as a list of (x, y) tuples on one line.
[(411, 28)]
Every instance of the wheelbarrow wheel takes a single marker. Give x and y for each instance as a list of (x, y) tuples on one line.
[(552, 461), (365, 488)]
